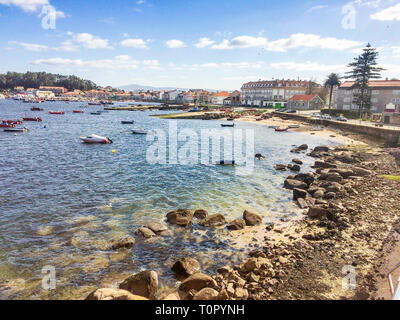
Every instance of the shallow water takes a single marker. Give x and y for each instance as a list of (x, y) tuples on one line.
[(63, 201)]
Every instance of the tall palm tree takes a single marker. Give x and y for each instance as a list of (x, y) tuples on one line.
[(332, 81)]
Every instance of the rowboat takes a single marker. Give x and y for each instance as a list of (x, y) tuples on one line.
[(96, 139), (226, 163), (127, 122), (139, 131), (16, 130), (6, 125), (96, 113), (228, 125), (36, 109), (11, 121), (36, 119), (56, 112), (77, 111), (281, 129), (94, 104)]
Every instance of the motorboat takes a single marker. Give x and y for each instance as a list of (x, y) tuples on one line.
[(16, 130), (94, 104), (225, 125), (139, 131), (36, 119), (96, 139), (6, 125), (128, 122), (11, 121), (56, 112), (77, 111)]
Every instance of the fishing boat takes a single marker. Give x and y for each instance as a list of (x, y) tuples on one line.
[(96, 139), (56, 112), (281, 129), (139, 131), (36, 119), (16, 130), (128, 122), (36, 109), (227, 125), (6, 125), (11, 121), (77, 111)]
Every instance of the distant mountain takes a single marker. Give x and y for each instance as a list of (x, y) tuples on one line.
[(135, 87)]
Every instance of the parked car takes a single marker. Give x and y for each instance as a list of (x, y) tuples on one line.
[(341, 118), (326, 117), (316, 115)]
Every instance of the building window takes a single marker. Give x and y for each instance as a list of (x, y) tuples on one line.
[(375, 91)]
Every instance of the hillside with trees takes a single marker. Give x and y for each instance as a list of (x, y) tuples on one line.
[(11, 80)]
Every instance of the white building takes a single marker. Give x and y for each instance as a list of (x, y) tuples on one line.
[(2, 96), (219, 97)]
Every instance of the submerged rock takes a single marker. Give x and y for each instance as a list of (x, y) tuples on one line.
[(126, 243), (113, 294), (144, 284), (280, 167), (291, 184), (156, 227), (251, 218), (145, 233), (237, 224), (180, 217), (201, 214), (186, 267)]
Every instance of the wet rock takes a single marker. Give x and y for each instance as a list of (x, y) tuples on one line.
[(317, 212), (259, 156), (321, 149), (319, 194), (299, 193), (144, 284), (252, 219), (145, 233), (302, 203), (237, 224), (323, 164), (206, 294), (201, 214), (345, 173), (113, 294), (295, 167), (334, 177), (215, 220), (330, 195), (303, 147), (186, 267), (45, 230), (180, 217), (156, 227), (307, 178), (280, 167), (224, 270), (291, 184), (297, 161), (125, 243), (196, 282)]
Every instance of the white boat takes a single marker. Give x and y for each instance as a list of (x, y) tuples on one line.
[(139, 131), (96, 139)]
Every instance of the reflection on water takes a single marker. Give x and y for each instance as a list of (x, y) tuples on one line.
[(63, 202)]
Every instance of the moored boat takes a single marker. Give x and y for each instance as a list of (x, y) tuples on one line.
[(281, 129), (96, 139), (6, 125), (56, 112), (16, 130), (128, 122), (77, 111), (227, 125), (36, 119), (36, 109), (96, 113), (139, 131), (11, 121)]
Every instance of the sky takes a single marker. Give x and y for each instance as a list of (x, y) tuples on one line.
[(213, 44)]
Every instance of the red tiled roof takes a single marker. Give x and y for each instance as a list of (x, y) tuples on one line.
[(374, 83), (302, 97), (221, 94)]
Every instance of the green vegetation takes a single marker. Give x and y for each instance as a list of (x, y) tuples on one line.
[(394, 178), (10, 80), (332, 82)]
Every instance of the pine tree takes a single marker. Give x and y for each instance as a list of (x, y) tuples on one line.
[(364, 68)]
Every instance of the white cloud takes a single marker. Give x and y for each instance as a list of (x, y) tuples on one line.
[(85, 40), (308, 66), (204, 42), (134, 43), (388, 14), (320, 7), (242, 42), (26, 5), (119, 62), (139, 2), (174, 44), (30, 46), (298, 40), (214, 65), (396, 52)]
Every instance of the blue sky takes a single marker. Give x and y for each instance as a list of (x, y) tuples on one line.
[(216, 44)]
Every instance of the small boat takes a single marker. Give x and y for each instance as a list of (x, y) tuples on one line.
[(96, 139), (77, 111), (6, 125), (281, 129), (11, 121), (94, 104), (226, 163), (16, 130), (127, 122), (139, 131), (56, 112), (227, 125), (230, 119), (36, 119), (36, 109), (96, 113), (294, 126)]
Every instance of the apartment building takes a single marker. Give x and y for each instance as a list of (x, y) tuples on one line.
[(385, 96), (274, 92)]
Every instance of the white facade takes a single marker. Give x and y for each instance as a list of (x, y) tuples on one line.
[(2, 96)]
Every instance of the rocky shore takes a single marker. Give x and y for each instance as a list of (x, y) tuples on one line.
[(350, 224)]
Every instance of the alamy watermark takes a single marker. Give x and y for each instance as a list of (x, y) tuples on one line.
[(49, 17), (349, 16), (49, 278), (349, 280), (188, 147)]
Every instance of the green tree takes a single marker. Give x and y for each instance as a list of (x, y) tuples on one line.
[(332, 82), (364, 68)]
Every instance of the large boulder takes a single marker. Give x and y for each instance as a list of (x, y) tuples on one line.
[(180, 217), (201, 214), (291, 184), (123, 243), (144, 284), (237, 224), (215, 220), (196, 282), (206, 294), (251, 218), (186, 267), (299, 193), (113, 294)]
